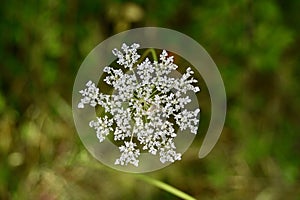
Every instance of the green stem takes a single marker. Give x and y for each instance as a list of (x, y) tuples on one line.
[(156, 92), (165, 187), (156, 183), (153, 53)]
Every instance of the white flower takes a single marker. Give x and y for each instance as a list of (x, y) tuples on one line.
[(90, 95), (187, 119), (129, 57), (145, 103), (129, 154), (102, 127)]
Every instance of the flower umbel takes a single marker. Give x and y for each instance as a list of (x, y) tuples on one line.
[(146, 108)]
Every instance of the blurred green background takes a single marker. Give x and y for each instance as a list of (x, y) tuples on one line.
[(255, 45)]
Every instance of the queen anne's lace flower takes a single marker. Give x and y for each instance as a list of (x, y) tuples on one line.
[(145, 108)]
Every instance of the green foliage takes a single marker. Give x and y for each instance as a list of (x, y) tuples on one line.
[(255, 45)]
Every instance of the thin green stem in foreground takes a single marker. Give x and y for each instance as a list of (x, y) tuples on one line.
[(156, 183), (166, 187)]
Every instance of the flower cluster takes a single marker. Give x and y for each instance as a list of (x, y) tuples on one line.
[(147, 105)]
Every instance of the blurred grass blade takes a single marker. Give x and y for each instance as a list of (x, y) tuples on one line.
[(165, 187)]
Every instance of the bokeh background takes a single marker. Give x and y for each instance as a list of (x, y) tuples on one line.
[(255, 45)]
